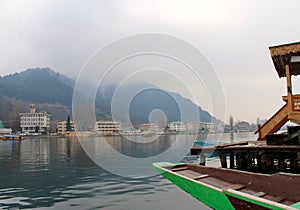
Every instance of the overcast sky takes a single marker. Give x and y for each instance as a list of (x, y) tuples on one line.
[(234, 35)]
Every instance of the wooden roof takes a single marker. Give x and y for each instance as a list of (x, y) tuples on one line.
[(281, 55)]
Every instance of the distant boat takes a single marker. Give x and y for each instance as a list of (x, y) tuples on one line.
[(12, 137), (207, 144), (221, 188), (77, 134)]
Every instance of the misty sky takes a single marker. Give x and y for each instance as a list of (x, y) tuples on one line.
[(234, 35)]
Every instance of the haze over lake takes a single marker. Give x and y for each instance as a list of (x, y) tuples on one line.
[(56, 173)]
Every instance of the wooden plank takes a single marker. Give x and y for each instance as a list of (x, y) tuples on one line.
[(206, 149), (179, 169), (267, 148), (278, 199), (249, 148), (260, 194), (231, 144), (235, 187), (201, 176)]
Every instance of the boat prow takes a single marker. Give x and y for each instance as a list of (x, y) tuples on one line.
[(12, 137), (221, 188)]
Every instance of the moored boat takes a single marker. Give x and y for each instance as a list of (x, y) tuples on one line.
[(208, 143), (12, 137), (202, 144), (221, 188)]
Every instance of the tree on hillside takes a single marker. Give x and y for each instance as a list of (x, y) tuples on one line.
[(68, 125), (231, 123)]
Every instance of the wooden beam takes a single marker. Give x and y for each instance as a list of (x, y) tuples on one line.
[(274, 123), (289, 88)]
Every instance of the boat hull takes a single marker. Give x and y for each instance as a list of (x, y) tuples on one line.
[(14, 138), (211, 197), (218, 197)]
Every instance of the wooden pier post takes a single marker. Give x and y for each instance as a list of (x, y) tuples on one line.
[(232, 160), (258, 159), (248, 159), (237, 157), (202, 159), (241, 162), (267, 163), (223, 160), (293, 158), (281, 164)]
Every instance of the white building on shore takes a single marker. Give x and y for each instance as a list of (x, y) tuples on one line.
[(192, 127), (177, 126), (200, 127), (34, 121), (149, 127), (62, 127), (108, 128)]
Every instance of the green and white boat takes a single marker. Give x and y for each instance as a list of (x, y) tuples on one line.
[(221, 188)]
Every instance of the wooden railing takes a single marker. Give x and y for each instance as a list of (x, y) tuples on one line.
[(274, 123)]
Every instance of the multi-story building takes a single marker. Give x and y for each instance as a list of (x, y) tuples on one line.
[(200, 127), (177, 126), (107, 128), (34, 121), (149, 127), (62, 127)]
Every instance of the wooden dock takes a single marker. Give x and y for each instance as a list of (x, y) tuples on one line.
[(254, 156)]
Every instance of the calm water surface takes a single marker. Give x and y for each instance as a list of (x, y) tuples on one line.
[(56, 173)]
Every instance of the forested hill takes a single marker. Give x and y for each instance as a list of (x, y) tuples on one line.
[(52, 92)]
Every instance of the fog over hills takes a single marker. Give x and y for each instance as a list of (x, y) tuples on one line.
[(52, 92)]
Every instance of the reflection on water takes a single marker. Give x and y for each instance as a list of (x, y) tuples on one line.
[(132, 159), (137, 146), (56, 173)]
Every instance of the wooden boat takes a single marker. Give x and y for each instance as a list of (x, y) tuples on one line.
[(12, 137), (221, 188), (201, 144), (77, 134), (208, 143)]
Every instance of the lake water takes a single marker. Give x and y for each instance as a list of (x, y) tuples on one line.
[(56, 173)]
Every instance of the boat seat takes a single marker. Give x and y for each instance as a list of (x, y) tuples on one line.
[(235, 187), (201, 176), (179, 169), (260, 194), (278, 199)]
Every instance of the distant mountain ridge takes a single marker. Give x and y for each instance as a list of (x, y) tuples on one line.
[(40, 85), (176, 107), (52, 92)]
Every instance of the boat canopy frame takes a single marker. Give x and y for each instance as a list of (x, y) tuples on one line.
[(286, 59)]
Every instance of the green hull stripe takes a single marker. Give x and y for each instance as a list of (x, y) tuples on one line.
[(210, 197), (253, 201)]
